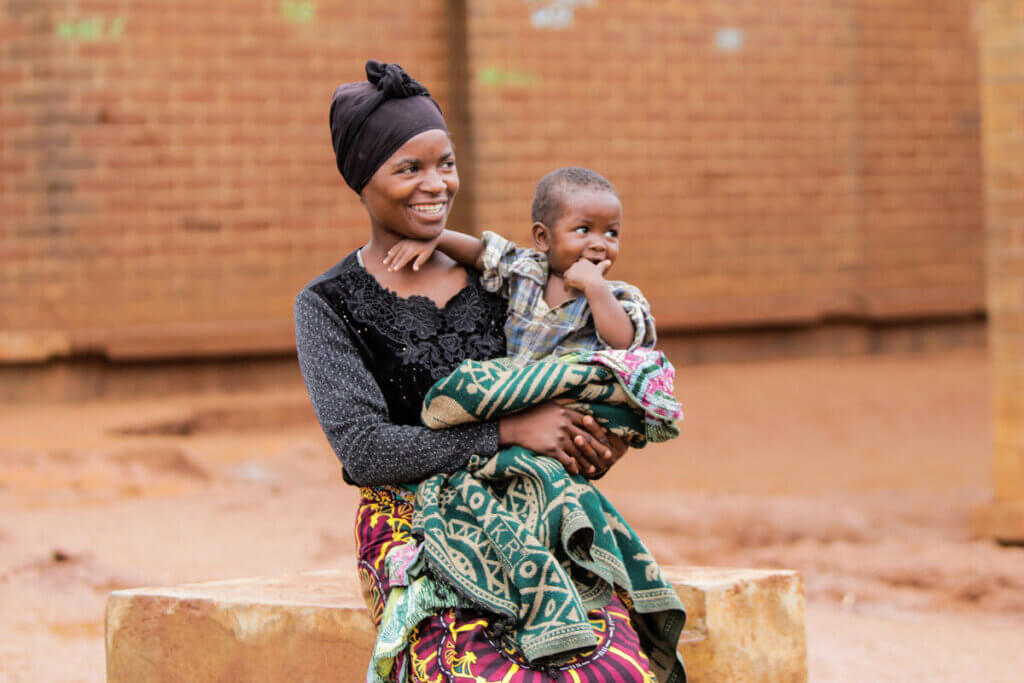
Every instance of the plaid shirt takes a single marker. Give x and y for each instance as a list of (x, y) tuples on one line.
[(535, 331)]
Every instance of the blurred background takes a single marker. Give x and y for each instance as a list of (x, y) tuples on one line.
[(169, 184), (838, 282)]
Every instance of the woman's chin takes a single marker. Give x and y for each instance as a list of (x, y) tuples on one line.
[(426, 229)]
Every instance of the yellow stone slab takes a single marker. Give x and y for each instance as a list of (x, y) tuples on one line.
[(742, 625), (1002, 520)]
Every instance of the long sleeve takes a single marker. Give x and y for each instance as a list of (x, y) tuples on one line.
[(354, 415), (639, 312), (499, 258)]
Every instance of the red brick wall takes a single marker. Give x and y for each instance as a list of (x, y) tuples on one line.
[(777, 161), (166, 180), (920, 190)]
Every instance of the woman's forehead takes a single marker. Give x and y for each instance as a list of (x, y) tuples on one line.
[(429, 143)]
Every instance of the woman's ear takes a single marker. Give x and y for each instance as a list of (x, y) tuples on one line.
[(541, 237)]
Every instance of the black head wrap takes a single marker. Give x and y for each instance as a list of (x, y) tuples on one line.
[(371, 119)]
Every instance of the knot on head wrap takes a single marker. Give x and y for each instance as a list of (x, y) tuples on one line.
[(371, 119), (392, 81)]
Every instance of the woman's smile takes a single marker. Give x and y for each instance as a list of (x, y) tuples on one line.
[(429, 209)]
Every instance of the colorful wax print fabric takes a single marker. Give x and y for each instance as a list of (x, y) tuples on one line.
[(518, 537), (629, 392), (455, 645)]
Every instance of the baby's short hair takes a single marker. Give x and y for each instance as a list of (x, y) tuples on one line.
[(552, 188)]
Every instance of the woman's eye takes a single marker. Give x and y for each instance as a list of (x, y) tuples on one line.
[(448, 164), (408, 170)]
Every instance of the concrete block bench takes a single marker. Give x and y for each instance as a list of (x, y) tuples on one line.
[(742, 625)]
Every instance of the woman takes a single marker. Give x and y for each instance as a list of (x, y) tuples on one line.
[(372, 342)]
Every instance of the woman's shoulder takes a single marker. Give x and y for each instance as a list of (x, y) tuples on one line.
[(331, 293), (339, 271)]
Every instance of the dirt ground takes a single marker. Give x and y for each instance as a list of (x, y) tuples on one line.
[(859, 472)]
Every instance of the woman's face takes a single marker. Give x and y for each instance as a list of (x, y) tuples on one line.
[(411, 194)]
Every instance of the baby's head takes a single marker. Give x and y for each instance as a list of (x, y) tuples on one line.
[(576, 214)]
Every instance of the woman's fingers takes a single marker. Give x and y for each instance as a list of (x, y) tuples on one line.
[(615, 449), (618, 447), (596, 430), (568, 462), (590, 440), (582, 454), (589, 450), (598, 434), (566, 443)]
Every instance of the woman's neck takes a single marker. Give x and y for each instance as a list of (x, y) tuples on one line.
[(439, 279), (377, 248)]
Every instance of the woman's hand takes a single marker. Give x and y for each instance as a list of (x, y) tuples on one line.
[(569, 437), (417, 251), (617, 448), (608, 448)]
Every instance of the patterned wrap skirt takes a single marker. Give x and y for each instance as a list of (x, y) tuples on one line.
[(459, 646)]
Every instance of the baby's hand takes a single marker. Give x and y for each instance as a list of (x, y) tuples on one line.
[(417, 251), (584, 274)]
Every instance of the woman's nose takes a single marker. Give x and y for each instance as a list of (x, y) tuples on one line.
[(432, 182)]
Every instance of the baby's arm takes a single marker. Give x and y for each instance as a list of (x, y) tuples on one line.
[(622, 316), (611, 321), (466, 249)]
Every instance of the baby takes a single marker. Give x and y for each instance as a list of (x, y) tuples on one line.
[(559, 299)]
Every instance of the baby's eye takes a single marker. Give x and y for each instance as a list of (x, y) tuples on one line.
[(583, 230), (612, 232)]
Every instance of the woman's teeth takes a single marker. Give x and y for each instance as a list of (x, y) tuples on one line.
[(432, 209)]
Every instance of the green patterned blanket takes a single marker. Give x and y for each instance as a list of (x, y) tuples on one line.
[(516, 535)]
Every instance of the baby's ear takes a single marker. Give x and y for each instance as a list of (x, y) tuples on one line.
[(541, 237)]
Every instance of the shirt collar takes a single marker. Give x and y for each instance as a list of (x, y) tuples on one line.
[(533, 265)]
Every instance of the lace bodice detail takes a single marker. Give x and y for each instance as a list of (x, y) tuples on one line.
[(408, 343)]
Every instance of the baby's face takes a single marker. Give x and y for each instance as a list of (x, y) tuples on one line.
[(588, 227)]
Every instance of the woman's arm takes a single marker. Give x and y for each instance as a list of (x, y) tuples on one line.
[(354, 416)]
